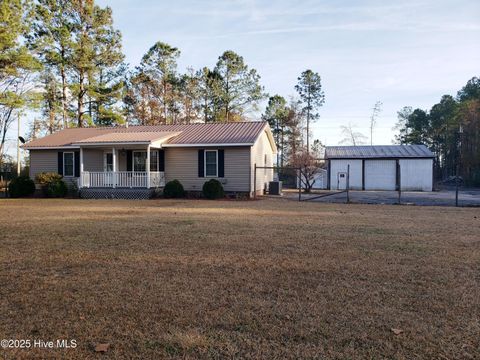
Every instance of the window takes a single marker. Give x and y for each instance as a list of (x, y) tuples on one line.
[(108, 162), (211, 163), (154, 160), (68, 164), (140, 160)]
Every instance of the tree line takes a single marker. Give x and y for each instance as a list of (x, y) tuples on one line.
[(451, 130), (63, 60)]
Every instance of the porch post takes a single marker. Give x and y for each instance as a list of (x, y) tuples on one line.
[(114, 173), (147, 166), (80, 185)]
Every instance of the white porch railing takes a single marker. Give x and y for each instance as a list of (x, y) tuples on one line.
[(121, 179)]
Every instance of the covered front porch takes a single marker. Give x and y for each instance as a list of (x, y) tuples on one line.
[(125, 164)]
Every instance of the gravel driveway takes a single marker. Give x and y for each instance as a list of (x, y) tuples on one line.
[(468, 197)]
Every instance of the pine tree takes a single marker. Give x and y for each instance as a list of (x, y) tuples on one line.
[(52, 40), (276, 114), (309, 88), (239, 90), (16, 64)]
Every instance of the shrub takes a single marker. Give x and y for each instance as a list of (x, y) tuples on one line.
[(212, 189), (174, 189), (52, 184), (45, 178), (21, 186), (57, 188)]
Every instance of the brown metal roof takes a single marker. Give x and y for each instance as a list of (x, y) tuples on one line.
[(122, 137), (218, 133), (63, 137), (238, 133)]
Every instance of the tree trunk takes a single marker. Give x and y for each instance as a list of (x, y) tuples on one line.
[(227, 92), (206, 109), (80, 100), (165, 100), (4, 133), (308, 121), (64, 96), (283, 145)]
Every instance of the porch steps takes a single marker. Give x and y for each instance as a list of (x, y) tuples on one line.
[(117, 193)]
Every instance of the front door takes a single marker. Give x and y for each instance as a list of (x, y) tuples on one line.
[(342, 181)]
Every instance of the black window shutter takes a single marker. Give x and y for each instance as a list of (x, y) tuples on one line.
[(129, 160), (60, 163), (161, 160), (77, 164), (201, 160), (221, 163)]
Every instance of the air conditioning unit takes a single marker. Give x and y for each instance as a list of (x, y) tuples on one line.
[(275, 188)]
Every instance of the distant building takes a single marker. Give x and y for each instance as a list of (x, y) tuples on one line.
[(389, 167)]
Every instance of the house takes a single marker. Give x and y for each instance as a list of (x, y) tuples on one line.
[(131, 162), (390, 167)]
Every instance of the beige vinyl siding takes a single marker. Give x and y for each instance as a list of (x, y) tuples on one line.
[(182, 164), (47, 161), (121, 160), (261, 151), (43, 161), (92, 160)]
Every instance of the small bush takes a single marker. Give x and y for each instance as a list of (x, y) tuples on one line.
[(46, 178), (212, 189), (174, 189), (52, 184), (57, 188), (21, 186)]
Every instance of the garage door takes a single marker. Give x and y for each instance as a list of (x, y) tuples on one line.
[(380, 174)]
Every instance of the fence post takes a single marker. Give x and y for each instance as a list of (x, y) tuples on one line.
[(255, 181), (299, 184), (399, 184), (456, 190), (348, 183)]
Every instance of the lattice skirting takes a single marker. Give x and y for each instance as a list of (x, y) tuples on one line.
[(129, 194)]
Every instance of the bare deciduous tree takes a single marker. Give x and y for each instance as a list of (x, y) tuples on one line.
[(377, 108), (351, 136)]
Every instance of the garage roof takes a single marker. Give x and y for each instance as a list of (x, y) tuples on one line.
[(377, 151)]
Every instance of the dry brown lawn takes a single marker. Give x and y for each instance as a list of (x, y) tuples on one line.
[(225, 279)]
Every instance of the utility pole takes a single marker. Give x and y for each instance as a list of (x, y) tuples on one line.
[(18, 146), (457, 165)]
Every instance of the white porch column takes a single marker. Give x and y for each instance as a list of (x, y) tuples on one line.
[(80, 182), (147, 167), (114, 172)]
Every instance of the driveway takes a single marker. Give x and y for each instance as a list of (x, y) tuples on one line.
[(467, 197)]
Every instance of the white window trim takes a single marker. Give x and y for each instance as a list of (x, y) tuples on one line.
[(73, 161), (205, 164), (145, 151)]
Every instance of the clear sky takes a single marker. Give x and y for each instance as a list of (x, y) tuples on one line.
[(407, 52)]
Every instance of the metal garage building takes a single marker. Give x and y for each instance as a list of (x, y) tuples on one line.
[(385, 167)]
